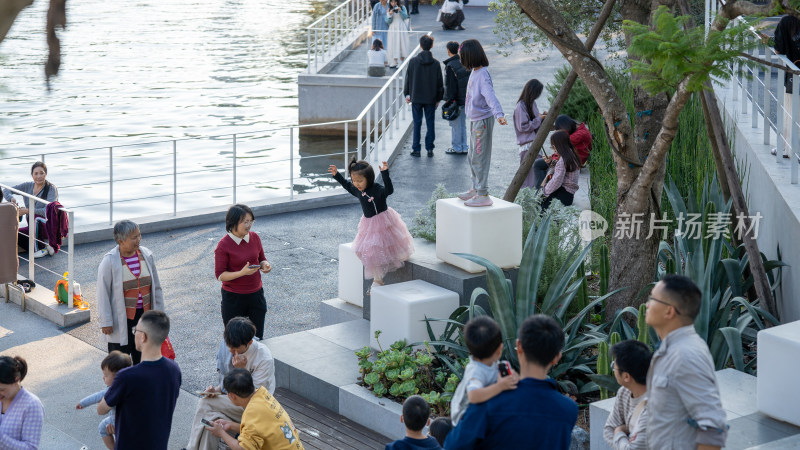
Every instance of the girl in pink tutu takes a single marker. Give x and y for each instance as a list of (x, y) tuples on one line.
[(383, 242)]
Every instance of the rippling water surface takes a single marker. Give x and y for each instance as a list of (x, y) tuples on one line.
[(146, 71)]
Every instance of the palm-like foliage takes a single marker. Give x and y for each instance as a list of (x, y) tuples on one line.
[(511, 308), (725, 314)]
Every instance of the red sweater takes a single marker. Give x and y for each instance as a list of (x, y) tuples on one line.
[(229, 257), (581, 141)]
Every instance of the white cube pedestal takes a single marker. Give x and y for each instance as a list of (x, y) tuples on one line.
[(778, 393), (492, 232), (351, 276), (399, 311)]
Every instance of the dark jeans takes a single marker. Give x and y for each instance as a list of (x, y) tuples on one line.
[(417, 110), (130, 348), (561, 194), (414, 9), (539, 172), (253, 306)]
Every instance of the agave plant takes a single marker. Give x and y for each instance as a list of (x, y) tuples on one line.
[(725, 313), (510, 308)]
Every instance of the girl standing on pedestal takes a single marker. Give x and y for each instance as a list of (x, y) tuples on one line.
[(383, 242), (482, 109)]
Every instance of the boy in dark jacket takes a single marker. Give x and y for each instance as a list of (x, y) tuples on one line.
[(455, 89), (416, 415), (424, 89)]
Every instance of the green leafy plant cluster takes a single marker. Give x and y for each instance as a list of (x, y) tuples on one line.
[(727, 319), (669, 52), (400, 372), (511, 308), (424, 223)]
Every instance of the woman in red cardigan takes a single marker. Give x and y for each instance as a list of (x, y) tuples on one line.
[(238, 258)]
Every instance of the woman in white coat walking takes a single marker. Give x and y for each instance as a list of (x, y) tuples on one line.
[(127, 286)]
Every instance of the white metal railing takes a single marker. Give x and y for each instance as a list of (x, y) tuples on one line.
[(757, 95), (329, 34), (370, 127), (32, 224)]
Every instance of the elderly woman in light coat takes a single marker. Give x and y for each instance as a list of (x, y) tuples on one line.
[(127, 286)]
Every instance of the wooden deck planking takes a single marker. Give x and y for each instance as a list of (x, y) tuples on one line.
[(323, 429)]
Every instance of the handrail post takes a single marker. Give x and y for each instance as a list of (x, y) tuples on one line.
[(71, 259), (754, 85), (793, 121), (308, 50), (781, 115), (359, 142), (316, 52), (291, 163), (346, 139), (174, 177), (42, 160), (234, 169), (110, 185), (31, 238), (767, 99)]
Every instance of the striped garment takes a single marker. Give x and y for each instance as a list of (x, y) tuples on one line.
[(136, 284)]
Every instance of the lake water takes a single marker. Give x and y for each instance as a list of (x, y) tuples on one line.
[(146, 71)]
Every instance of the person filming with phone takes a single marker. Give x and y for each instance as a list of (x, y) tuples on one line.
[(533, 415), (237, 351), (238, 258)]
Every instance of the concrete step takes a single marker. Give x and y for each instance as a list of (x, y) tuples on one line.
[(336, 310), (320, 365), (424, 265), (41, 301)]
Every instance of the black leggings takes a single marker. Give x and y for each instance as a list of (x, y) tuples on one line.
[(253, 306), (561, 194), (130, 348)]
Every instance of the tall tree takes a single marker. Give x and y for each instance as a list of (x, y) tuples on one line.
[(668, 63)]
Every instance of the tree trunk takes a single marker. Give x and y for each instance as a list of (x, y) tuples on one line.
[(8, 14), (555, 109)]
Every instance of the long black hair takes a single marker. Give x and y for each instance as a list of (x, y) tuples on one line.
[(565, 123), (361, 167), (560, 140), (377, 44), (531, 91)]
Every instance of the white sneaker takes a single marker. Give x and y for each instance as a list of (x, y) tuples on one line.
[(50, 250), (40, 253)]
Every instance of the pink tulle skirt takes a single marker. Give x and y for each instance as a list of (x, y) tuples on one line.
[(383, 243)]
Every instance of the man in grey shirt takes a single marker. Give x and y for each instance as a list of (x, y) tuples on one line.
[(684, 408)]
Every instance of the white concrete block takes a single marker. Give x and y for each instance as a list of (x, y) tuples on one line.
[(398, 311), (351, 276), (493, 232), (778, 393)]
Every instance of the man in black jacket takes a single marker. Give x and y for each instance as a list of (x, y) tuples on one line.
[(424, 89), (455, 89)]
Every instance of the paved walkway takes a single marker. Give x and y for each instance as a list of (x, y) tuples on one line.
[(301, 246)]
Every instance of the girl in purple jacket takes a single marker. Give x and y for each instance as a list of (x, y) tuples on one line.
[(482, 109)]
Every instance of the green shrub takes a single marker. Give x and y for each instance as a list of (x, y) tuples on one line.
[(400, 372), (424, 223)]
